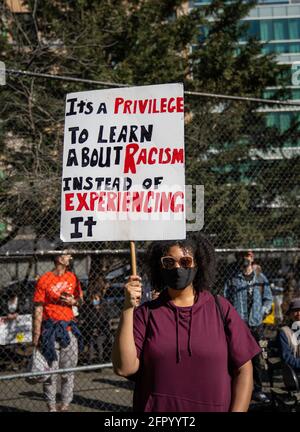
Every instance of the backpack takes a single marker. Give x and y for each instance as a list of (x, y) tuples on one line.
[(219, 307)]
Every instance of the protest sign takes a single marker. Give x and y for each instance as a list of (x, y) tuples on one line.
[(17, 330), (123, 165)]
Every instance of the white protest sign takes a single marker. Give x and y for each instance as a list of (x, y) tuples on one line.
[(18, 330), (123, 165)]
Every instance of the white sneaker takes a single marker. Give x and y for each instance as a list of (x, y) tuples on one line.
[(64, 407), (52, 408)]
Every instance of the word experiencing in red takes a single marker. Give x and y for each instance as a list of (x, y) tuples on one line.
[(129, 201)]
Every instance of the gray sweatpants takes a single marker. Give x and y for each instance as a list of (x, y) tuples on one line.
[(66, 358)]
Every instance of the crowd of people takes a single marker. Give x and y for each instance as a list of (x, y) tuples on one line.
[(186, 349)]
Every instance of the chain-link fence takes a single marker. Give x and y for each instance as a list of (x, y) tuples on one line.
[(96, 387), (245, 153)]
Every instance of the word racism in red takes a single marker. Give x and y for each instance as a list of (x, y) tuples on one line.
[(134, 155)]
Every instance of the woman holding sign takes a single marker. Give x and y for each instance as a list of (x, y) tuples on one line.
[(189, 351)]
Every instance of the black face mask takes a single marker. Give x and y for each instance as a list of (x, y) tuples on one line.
[(246, 263), (178, 278)]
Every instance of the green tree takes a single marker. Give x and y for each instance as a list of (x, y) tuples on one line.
[(229, 143), (144, 42)]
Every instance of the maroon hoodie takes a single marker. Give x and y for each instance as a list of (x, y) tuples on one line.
[(185, 355)]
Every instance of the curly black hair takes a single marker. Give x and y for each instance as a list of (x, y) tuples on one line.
[(204, 257)]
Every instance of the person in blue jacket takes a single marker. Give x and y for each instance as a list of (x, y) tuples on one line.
[(289, 338), (249, 292)]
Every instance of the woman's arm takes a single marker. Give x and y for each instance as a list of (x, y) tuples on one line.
[(37, 323), (242, 386), (124, 354)]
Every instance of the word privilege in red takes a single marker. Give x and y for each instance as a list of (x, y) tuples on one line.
[(128, 201), (148, 106)]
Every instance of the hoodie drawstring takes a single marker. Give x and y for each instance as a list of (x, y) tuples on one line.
[(177, 337), (190, 334), (178, 355)]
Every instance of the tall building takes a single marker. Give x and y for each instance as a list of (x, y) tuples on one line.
[(276, 23)]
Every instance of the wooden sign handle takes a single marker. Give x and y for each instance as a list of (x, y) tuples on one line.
[(133, 258)]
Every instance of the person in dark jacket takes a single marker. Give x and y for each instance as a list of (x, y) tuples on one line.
[(10, 306), (289, 338), (96, 325)]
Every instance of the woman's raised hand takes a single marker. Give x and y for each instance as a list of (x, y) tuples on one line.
[(133, 292)]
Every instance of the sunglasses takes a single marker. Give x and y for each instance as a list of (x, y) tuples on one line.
[(169, 262)]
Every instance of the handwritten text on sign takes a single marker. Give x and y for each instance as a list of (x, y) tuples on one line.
[(123, 164)]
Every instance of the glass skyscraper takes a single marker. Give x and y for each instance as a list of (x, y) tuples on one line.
[(276, 23)]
